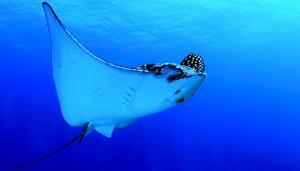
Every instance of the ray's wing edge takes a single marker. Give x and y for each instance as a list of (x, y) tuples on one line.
[(52, 17)]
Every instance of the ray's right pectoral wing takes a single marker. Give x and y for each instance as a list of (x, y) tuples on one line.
[(88, 87)]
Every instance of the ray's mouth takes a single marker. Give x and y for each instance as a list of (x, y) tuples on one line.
[(175, 99), (180, 100)]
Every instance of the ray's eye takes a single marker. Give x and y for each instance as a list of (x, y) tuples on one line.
[(194, 61)]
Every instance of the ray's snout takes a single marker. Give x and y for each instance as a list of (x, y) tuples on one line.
[(189, 88)]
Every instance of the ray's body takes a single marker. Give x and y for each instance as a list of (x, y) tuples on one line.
[(96, 94), (107, 96)]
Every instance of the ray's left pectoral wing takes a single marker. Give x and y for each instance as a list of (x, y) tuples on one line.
[(88, 87)]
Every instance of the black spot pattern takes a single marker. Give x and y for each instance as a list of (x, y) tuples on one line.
[(149, 66), (194, 61)]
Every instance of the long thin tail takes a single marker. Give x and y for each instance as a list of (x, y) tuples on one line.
[(78, 138)]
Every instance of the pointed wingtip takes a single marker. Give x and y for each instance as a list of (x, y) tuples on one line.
[(49, 11), (45, 4)]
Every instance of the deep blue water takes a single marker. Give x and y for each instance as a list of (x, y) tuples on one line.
[(245, 116)]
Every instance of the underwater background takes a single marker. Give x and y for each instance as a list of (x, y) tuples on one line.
[(244, 117)]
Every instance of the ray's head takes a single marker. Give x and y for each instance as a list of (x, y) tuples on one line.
[(195, 62), (186, 86)]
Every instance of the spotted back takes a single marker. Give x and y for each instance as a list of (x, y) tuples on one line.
[(194, 61)]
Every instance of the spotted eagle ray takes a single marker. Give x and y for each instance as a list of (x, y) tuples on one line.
[(96, 94)]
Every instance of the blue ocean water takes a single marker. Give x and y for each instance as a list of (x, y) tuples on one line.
[(244, 117)]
